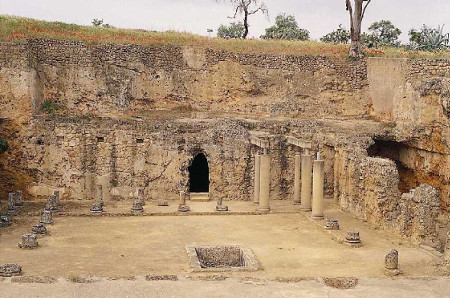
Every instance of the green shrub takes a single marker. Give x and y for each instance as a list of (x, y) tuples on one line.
[(3, 145), (340, 35), (234, 30), (429, 39), (50, 107)]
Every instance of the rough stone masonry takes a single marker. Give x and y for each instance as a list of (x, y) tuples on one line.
[(133, 117)]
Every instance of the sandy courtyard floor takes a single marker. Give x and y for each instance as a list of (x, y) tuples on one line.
[(287, 245), (366, 287)]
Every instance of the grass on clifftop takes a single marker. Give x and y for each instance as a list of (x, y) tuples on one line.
[(17, 29)]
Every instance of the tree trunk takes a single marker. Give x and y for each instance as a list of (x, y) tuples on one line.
[(245, 24), (356, 16), (355, 35)]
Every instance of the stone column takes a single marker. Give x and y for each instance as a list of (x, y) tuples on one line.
[(99, 193), (264, 190), (57, 198), (297, 179), (182, 201), (257, 178), (306, 182), (318, 184), (447, 248)]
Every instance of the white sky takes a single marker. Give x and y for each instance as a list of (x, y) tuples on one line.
[(318, 16)]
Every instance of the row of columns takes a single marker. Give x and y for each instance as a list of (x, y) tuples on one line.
[(310, 181), (316, 180)]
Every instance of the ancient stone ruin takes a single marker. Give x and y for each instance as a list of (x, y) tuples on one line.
[(12, 209), (46, 217), (97, 207), (18, 199), (391, 264), (155, 124), (137, 207), (29, 241), (353, 238), (182, 207), (52, 204), (8, 270), (332, 224), (220, 206), (39, 230), (141, 197), (164, 203), (57, 198), (5, 221)]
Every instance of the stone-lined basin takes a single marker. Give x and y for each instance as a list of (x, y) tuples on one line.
[(222, 258)]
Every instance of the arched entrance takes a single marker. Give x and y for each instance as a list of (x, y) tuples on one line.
[(199, 174)]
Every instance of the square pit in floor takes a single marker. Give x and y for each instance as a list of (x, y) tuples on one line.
[(222, 258)]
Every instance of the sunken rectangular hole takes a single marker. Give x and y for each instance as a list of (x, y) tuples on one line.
[(60, 138), (220, 257), (139, 141), (100, 139)]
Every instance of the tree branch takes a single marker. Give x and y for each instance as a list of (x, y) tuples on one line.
[(255, 11), (364, 9), (235, 13)]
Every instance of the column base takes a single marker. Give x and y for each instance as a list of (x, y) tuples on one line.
[(264, 209), (305, 209), (297, 202), (317, 217)]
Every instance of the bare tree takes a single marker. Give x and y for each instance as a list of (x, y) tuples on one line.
[(356, 11), (247, 8)]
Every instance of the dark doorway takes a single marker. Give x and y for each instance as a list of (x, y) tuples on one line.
[(199, 174)]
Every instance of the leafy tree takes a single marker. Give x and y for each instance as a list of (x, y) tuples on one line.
[(234, 30), (340, 35), (356, 12), (384, 33), (286, 27), (99, 23), (428, 38), (247, 8), (368, 40)]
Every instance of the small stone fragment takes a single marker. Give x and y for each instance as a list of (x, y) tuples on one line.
[(332, 224), (141, 196), (39, 230), (12, 209), (29, 241), (19, 198), (182, 201), (220, 206), (5, 221), (391, 264), (8, 270), (137, 207), (51, 205), (96, 208), (184, 208), (46, 217), (163, 203), (353, 238), (57, 198)]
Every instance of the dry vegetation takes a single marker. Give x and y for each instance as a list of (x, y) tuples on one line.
[(17, 29)]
